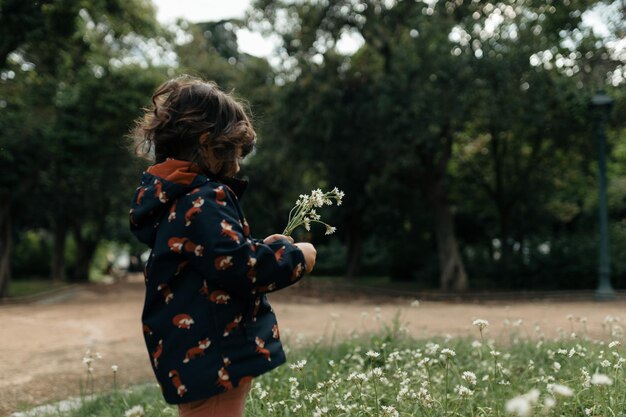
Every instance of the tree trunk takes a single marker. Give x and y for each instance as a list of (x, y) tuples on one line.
[(452, 275), (354, 244), (506, 246), (85, 251), (57, 267), (6, 246)]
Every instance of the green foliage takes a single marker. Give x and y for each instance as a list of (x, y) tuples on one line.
[(32, 253)]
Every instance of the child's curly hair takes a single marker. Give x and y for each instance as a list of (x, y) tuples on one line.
[(193, 120)]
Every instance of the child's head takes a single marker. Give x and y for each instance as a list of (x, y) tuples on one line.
[(193, 120)]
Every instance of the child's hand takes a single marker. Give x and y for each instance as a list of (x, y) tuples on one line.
[(275, 237), (309, 255)]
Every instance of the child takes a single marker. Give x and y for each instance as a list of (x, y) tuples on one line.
[(208, 326)]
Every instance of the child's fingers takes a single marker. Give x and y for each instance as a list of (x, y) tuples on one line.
[(275, 237)]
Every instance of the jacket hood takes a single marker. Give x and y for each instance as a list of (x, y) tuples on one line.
[(160, 186)]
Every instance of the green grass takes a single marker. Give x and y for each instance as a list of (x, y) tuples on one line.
[(25, 288), (390, 374)]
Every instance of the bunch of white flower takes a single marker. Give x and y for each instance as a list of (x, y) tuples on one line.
[(469, 377), (304, 211), (136, 411), (601, 379), (480, 323), (298, 366), (522, 405)]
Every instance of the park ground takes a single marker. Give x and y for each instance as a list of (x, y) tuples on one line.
[(43, 342)]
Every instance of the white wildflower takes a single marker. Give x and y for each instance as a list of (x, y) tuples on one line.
[(586, 378), (415, 303), (390, 411), (561, 390), (114, 368), (601, 379), (481, 324), (605, 364), (614, 343), (319, 412), (556, 366), (519, 406), (463, 391), (449, 353), (548, 404), (469, 377), (372, 354), (298, 366), (136, 411)]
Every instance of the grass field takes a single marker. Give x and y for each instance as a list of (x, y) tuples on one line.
[(389, 374), (30, 287)]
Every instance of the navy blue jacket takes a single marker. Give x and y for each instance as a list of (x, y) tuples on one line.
[(206, 320)]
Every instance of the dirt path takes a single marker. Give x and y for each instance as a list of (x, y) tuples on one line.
[(42, 344)]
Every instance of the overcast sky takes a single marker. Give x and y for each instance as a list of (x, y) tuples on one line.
[(207, 10), (253, 43)]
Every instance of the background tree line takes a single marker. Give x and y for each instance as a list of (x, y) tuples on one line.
[(460, 131)]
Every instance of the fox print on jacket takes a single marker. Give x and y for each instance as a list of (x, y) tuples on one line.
[(206, 320)]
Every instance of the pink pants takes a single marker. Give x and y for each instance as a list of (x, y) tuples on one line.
[(229, 404)]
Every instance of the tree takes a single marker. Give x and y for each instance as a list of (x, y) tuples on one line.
[(444, 71), (46, 45)]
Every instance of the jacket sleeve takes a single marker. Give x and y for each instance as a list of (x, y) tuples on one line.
[(220, 247)]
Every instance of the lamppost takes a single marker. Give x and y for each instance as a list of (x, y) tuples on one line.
[(601, 103)]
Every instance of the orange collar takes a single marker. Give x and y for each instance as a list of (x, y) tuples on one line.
[(176, 171)]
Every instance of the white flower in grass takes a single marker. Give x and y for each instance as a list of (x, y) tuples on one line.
[(469, 377), (548, 404), (372, 354), (390, 411), (561, 390), (586, 378), (136, 411), (463, 391), (431, 348), (481, 324), (298, 366), (588, 411), (523, 404), (605, 364), (476, 344), (519, 406), (448, 353), (614, 343), (601, 379), (114, 368), (556, 366), (494, 353)]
